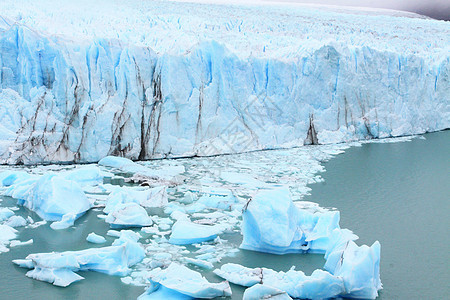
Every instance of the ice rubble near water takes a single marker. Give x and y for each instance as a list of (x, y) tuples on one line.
[(224, 196), (145, 79)]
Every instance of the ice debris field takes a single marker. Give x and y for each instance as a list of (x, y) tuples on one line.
[(152, 79), (167, 231)]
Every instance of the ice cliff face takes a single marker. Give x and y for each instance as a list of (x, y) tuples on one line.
[(163, 79)]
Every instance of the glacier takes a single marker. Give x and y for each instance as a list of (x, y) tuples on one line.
[(219, 79)]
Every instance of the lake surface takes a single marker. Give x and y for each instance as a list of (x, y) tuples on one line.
[(397, 193)]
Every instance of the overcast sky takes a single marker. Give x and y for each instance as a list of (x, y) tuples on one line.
[(438, 9)]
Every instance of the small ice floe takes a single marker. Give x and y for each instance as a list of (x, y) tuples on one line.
[(50, 196), (296, 230), (320, 285), (178, 280), (199, 263), (154, 197), (66, 221), (260, 291), (128, 215), (95, 238), (85, 175), (7, 233), (59, 268), (16, 221), (5, 213), (37, 224), (15, 243), (186, 232)]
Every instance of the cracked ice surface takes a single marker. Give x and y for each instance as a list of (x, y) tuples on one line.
[(167, 79)]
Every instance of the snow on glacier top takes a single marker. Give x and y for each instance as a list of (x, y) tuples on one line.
[(271, 30)]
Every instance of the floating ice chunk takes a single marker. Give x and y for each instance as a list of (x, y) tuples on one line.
[(158, 292), (5, 213), (66, 221), (59, 268), (154, 197), (185, 232), (296, 230), (59, 277), (218, 198), (15, 243), (7, 233), (16, 221), (128, 215), (240, 275), (126, 235), (24, 263), (51, 197), (199, 263), (37, 224), (95, 238), (320, 285), (91, 175), (188, 198), (259, 291), (8, 178), (359, 267), (183, 280)]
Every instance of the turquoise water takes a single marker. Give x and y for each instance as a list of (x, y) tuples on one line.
[(396, 193)]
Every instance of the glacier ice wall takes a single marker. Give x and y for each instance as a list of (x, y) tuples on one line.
[(78, 100)]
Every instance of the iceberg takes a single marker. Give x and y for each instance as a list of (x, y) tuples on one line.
[(16, 243), (7, 233), (259, 291), (16, 221), (128, 215), (182, 280), (171, 84), (297, 230), (5, 213), (359, 267), (91, 175), (51, 197), (320, 285), (186, 232), (66, 221), (153, 197), (59, 268), (95, 238), (218, 198)]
